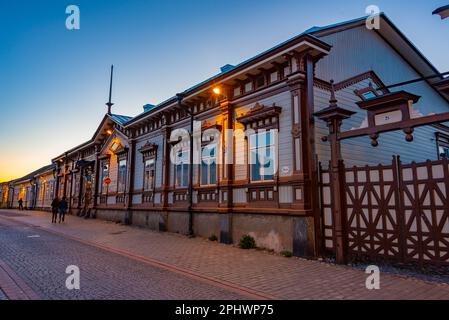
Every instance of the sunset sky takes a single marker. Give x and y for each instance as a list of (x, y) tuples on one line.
[(54, 82)]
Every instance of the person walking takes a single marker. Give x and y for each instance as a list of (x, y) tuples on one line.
[(20, 204), (63, 205), (54, 209)]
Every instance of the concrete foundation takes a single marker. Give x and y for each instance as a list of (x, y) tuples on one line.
[(273, 232)]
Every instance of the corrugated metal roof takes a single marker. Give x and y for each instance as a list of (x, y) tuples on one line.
[(120, 119), (308, 32), (34, 173)]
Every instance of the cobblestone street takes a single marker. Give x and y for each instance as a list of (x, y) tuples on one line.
[(122, 262), (40, 259)]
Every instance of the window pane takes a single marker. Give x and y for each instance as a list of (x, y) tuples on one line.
[(255, 171), (204, 177), (178, 175), (185, 175), (253, 141), (213, 173)]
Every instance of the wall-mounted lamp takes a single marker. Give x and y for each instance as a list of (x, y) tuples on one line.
[(217, 90)]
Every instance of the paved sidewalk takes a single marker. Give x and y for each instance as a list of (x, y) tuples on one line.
[(256, 272)]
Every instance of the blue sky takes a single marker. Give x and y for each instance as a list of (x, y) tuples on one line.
[(54, 82)]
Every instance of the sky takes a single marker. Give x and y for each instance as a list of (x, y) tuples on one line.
[(54, 81)]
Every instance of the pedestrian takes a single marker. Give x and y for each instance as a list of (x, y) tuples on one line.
[(54, 209), (20, 204), (62, 208)]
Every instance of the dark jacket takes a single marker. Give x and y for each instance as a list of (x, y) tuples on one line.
[(55, 203), (63, 205)]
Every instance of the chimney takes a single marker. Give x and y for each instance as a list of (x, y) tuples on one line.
[(227, 68), (148, 107)]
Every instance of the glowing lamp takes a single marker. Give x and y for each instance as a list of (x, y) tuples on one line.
[(216, 90), (115, 146)]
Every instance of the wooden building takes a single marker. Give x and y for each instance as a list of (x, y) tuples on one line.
[(124, 172)]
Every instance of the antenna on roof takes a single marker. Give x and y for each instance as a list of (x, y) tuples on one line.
[(109, 103)]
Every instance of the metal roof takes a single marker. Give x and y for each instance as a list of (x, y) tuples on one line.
[(34, 173), (120, 119), (309, 32)]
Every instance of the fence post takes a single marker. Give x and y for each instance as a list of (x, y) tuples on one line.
[(399, 199), (333, 116), (338, 211)]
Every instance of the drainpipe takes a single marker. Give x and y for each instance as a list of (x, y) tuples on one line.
[(180, 97)]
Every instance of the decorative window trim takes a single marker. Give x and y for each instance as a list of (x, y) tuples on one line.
[(209, 125), (148, 150), (175, 173), (261, 117), (121, 153), (200, 167), (442, 141), (370, 89), (104, 157), (270, 146), (103, 187), (125, 182)]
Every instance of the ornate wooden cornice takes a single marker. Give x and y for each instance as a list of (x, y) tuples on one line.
[(209, 125), (121, 151), (149, 149), (104, 156), (260, 112), (351, 81)]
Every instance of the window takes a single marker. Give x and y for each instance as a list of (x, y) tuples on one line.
[(209, 164), (104, 175), (443, 151), (262, 156), (148, 183), (367, 93), (260, 81), (114, 146), (182, 169), (121, 175), (248, 86), (442, 145)]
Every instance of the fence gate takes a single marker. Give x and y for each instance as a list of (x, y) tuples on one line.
[(395, 212)]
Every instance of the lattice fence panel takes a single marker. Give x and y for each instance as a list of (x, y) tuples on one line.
[(425, 202)]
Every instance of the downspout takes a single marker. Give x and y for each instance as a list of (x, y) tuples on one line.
[(131, 166), (180, 97)]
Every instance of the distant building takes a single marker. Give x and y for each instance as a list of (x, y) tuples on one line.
[(124, 171)]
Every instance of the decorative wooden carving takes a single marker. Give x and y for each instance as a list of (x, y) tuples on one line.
[(296, 130), (149, 149), (261, 116), (209, 125)]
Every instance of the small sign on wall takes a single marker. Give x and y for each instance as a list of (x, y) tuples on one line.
[(388, 117)]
